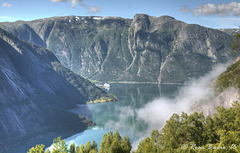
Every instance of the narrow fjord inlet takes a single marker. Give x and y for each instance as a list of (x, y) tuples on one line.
[(120, 115), (97, 76)]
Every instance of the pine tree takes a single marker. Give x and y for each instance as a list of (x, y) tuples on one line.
[(59, 146), (126, 145), (81, 149), (47, 151), (37, 149), (87, 147), (115, 147), (72, 148), (113, 143), (94, 148)]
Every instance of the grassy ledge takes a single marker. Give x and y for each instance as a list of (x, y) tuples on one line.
[(110, 98)]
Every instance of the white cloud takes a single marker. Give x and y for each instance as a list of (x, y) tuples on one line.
[(185, 9), (5, 4), (54, 1), (91, 9), (94, 9), (230, 9), (75, 2)]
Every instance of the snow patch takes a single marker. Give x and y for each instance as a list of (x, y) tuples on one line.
[(98, 18), (77, 18)]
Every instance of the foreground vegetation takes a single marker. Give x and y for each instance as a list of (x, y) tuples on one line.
[(183, 133), (111, 143), (196, 133)]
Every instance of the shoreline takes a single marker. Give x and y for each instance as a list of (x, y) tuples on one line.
[(134, 82)]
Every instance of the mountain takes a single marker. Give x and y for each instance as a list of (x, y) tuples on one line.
[(36, 92), (145, 48)]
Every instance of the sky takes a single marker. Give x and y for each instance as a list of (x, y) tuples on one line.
[(208, 13)]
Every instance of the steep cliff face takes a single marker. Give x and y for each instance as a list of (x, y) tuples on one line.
[(208, 105), (35, 93), (159, 49)]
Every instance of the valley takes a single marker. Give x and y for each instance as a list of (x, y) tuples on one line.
[(150, 64)]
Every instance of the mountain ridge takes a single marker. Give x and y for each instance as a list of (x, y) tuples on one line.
[(153, 49)]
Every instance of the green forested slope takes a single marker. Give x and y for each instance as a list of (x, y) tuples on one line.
[(197, 133)]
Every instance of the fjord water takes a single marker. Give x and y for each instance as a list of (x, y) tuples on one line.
[(111, 116), (123, 114)]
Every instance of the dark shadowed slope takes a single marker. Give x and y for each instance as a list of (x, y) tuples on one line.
[(35, 93)]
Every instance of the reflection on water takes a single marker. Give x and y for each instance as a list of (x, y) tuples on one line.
[(122, 115)]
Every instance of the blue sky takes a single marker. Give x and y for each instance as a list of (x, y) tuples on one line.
[(209, 13)]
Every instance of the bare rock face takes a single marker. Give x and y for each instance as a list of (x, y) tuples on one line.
[(35, 93), (145, 48), (225, 99), (226, 90)]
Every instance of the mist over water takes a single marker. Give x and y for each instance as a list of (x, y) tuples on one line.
[(161, 109), (155, 113), (142, 108)]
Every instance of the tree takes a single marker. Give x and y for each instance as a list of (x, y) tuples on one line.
[(196, 128), (146, 146), (87, 147), (117, 136), (81, 149), (78, 149), (72, 148), (47, 151), (115, 147), (59, 146), (126, 145), (210, 134), (37, 149), (106, 142), (94, 148), (171, 132), (113, 143)]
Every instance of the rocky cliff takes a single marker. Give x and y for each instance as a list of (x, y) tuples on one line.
[(226, 90), (145, 48), (36, 91)]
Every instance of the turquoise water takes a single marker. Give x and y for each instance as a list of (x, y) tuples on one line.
[(123, 114)]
